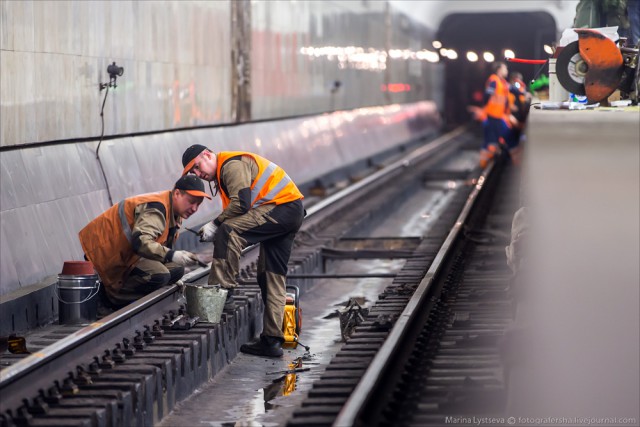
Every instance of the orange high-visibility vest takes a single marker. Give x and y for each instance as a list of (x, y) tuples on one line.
[(271, 185), (106, 240), (498, 104)]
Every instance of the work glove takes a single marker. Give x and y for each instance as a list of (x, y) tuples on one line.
[(207, 231), (184, 258)]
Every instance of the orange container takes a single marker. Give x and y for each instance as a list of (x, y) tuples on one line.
[(77, 268)]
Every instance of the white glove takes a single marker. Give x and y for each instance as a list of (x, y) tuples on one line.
[(207, 231), (184, 258)]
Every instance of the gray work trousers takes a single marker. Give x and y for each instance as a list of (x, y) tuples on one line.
[(145, 277), (274, 227)]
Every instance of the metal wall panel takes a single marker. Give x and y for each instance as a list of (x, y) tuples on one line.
[(9, 279), (23, 232), (54, 54), (177, 63), (16, 187), (289, 82)]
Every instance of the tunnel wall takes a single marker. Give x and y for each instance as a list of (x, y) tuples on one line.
[(180, 65), (49, 193)]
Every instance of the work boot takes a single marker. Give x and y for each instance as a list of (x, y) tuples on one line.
[(264, 346)]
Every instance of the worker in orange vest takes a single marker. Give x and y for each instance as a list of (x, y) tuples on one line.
[(497, 112), (519, 102), (261, 204), (130, 244)]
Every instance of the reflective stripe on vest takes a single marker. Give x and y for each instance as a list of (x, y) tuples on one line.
[(497, 106), (111, 250), (273, 192), (271, 185), (126, 229), (260, 182)]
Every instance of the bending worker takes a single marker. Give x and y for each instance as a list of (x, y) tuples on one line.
[(261, 204), (130, 244), (520, 101)]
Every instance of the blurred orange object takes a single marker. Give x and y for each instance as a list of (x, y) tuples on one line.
[(74, 268)]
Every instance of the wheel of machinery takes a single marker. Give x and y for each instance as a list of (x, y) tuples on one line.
[(571, 69)]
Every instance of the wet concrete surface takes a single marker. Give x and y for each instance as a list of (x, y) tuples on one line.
[(248, 392)]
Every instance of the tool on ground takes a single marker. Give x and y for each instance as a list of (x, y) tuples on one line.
[(596, 66), (15, 344), (294, 366), (306, 347), (289, 371), (351, 315), (292, 321)]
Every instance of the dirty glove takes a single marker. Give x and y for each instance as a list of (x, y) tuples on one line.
[(207, 231), (184, 258)]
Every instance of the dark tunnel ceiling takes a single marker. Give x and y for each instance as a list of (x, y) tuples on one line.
[(523, 32)]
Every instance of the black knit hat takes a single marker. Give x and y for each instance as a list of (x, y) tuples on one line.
[(190, 155), (192, 185)]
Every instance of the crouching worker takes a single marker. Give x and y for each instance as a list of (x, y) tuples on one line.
[(130, 243), (261, 204)]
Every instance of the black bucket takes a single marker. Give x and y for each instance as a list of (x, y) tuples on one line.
[(77, 299)]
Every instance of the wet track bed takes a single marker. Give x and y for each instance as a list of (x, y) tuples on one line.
[(447, 365), (249, 391), (138, 381)]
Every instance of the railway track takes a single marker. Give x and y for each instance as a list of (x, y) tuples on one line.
[(131, 367), (429, 351)]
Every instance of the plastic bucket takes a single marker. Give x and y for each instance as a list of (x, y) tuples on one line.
[(77, 298), (206, 302)]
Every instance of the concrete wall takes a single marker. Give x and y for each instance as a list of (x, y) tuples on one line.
[(54, 54), (178, 68)]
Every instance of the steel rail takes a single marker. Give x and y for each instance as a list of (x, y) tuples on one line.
[(150, 301), (72, 350), (371, 380), (39, 371)]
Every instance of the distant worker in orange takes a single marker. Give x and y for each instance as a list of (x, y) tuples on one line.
[(519, 102), (497, 111)]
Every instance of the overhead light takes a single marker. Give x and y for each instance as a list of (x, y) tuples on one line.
[(444, 52), (472, 56), (508, 53), (452, 54), (432, 57), (436, 44), (548, 49), (488, 56)]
